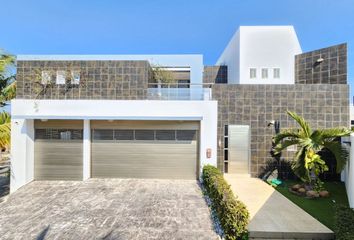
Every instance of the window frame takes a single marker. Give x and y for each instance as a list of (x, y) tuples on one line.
[(255, 73), (73, 79), (46, 77), (60, 77), (274, 70), (265, 70)]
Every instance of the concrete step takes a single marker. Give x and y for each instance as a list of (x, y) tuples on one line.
[(267, 235)]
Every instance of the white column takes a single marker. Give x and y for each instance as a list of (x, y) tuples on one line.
[(86, 165), (22, 153), (349, 174)]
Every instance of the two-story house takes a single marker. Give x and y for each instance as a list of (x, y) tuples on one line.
[(110, 116)]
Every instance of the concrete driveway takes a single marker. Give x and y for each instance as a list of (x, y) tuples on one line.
[(107, 209)]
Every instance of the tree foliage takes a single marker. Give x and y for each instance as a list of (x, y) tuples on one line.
[(7, 78), (5, 130)]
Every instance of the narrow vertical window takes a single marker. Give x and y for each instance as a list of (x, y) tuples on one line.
[(46, 77), (264, 73), (276, 73), (75, 77), (60, 77), (253, 73)]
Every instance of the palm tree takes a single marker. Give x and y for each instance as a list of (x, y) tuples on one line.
[(7, 78), (5, 131), (307, 164)]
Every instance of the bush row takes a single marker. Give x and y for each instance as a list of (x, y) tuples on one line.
[(344, 223), (232, 213)]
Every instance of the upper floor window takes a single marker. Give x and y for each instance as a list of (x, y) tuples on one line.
[(46, 77), (276, 73), (253, 73), (60, 77), (264, 73), (75, 77)]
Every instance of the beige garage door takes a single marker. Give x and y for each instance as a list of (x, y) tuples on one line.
[(58, 150), (167, 150)]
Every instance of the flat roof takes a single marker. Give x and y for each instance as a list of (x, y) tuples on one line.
[(92, 57)]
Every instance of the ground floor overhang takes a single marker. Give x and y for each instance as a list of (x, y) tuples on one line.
[(26, 112)]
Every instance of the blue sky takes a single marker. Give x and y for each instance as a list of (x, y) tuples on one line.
[(161, 27)]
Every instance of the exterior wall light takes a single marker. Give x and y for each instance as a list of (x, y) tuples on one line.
[(319, 60)]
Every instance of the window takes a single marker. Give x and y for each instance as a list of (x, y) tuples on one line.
[(144, 134), (253, 73), (65, 135), (58, 134), (264, 73), (46, 77), (103, 134), (124, 134), (75, 77), (276, 73), (186, 135), (60, 77), (165, 135)]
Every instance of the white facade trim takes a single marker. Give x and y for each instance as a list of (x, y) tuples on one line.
[(86, 165)]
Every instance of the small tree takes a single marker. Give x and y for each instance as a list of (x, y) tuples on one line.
[(307, 164), (5, 131), (161, 75)]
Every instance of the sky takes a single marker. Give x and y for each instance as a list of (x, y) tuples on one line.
[(166, 27)]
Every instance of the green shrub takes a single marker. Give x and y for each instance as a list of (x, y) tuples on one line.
[(343, 223), (232, 213)]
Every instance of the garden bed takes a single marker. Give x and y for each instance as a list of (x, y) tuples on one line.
[(320, 208)]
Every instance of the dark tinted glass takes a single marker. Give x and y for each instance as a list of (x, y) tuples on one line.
[(103, 134), (186, 135), (124, 134), (144, 134), (165, 135)]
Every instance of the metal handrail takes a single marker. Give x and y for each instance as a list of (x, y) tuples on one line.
[(205, 85)]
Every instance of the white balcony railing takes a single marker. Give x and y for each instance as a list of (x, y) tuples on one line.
[(200, 92)]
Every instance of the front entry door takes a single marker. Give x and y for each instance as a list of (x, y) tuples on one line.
[(239, 149)]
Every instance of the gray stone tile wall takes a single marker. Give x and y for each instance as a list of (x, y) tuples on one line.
[(215, 74), (332, 70), (98, 80), (323, 105)]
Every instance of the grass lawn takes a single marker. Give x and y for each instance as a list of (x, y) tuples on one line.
[(322, 208)]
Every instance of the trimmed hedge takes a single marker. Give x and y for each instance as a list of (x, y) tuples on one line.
[(232, 213), (343, 222)]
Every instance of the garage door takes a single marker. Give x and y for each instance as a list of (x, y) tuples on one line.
[(58, 150), (145, 149)]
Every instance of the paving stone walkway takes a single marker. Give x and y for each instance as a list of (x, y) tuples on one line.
[(273, 216), (107, 209)]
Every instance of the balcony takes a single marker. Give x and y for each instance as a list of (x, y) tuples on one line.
[(196, 92)]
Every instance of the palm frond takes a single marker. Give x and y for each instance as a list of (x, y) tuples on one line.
[(6, 60), (284, 144), (305, 127), (287, 133), (298, 165), (340, 152), (9, 92), (5, 130), (332, 133)]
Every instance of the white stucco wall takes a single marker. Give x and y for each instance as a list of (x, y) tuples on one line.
[(231, 58), (22, 152), (24, 111), (348, 174), (261, 47)]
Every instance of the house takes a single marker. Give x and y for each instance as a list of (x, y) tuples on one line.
[(107, 116)]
